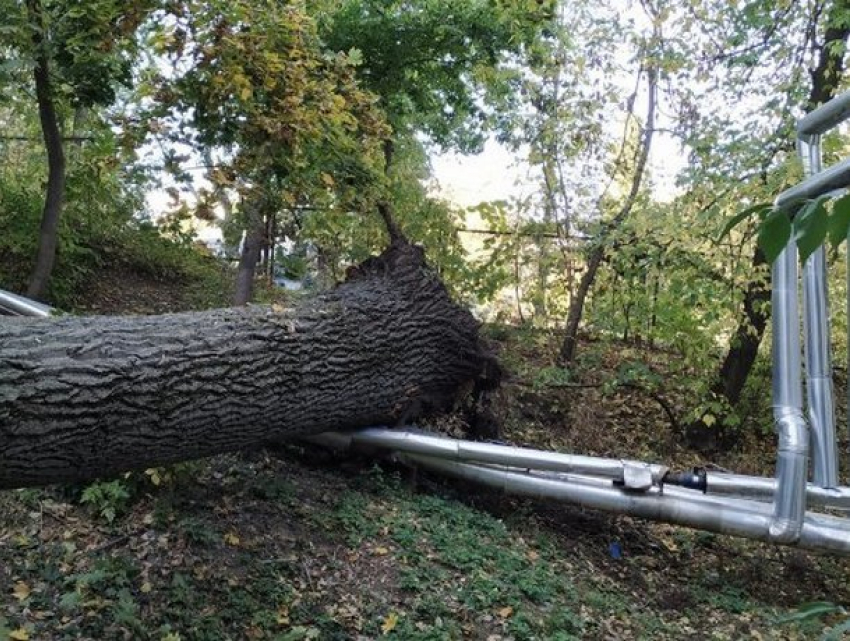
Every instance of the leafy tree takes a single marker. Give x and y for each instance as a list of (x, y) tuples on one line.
[(77, 53), (286, 120), (444, 70), (733, 164)]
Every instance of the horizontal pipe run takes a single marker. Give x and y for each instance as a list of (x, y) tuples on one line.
[(473, 451), (748, 520), (825, 117), (14, 305), (835, 178), (736, 486), (605, 470), (760, 488)]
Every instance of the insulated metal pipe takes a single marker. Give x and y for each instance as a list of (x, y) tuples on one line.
[(418, 442), (792, 452), (832, 179), (579, 468), (14, 305), (764, 489), (740, 518), (825, 117), (819, 392)]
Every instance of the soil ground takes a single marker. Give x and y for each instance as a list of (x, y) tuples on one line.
[(302, 543)]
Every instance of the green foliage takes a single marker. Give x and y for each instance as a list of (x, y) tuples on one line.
[(818, 611), (287, 118), (107, 498), (816, 221), (436, 64)]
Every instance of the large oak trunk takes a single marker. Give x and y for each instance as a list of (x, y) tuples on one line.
[(86, 397)]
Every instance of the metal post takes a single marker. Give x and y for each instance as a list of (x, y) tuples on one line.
[(819, 392)]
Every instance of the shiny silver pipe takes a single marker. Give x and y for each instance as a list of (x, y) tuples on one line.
[(825, 117), (419, 442), (792, 452), (14, 305), (819, 392), (832, 179), (739, 518), (764, 489), (578, 468)]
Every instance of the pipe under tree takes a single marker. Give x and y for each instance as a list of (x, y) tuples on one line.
[(82, 397)]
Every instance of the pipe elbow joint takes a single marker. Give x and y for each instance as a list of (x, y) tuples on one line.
[(791, 473), (784, 531)]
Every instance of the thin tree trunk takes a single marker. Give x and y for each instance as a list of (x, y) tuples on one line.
[(55, 192), (747, 337), (85, 397), (597, 253), (250, 255)]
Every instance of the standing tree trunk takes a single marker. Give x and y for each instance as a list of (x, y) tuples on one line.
[(55, 193), (85, 397), (745, 342), (250, 257), (597, 253)]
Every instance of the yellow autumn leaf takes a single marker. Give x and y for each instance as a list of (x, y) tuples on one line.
[(21, 591), (505, 612), (389, 623), (381, 551), (709, 419), (246, 92), (146, 587), (283, 615), (19, 635), (231, 539)]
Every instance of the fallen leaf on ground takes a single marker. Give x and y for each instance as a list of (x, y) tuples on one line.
[(389, 623)]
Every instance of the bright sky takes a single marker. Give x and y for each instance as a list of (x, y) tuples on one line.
[(497, 173), (494, 174)]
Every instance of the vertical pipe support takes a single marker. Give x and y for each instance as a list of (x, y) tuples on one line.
[(819, 390), (792, 453)]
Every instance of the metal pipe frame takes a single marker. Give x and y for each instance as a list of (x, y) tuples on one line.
[(722, 514), (819, 391), (735, 517), (792, 451)]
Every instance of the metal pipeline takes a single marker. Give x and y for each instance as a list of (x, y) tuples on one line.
[(419, 442), (764, 489), (14, 305), (740, 518), (605, 470), (825, 117), (821, 411), (792, 451)]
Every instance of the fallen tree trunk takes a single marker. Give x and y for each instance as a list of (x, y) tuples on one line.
[(82, 397)]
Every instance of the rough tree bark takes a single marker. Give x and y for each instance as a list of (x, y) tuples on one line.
[(247, 269), (55, 192), (87, 397)]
